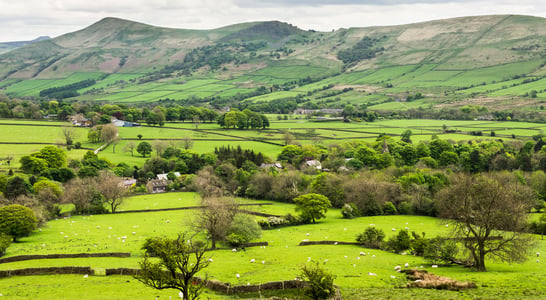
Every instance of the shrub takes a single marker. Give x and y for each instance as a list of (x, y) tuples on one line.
[(389, 209), (418, 244), (371, 238), (321, 282), (17, 221), (399, 242), (243, 229), (405, 208), (441, 250), (349, 211), (5, 241)]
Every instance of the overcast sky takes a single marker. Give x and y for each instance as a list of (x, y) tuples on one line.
[(28, 19)]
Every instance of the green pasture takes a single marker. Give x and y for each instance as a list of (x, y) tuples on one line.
[(281, 260), (32, 87)]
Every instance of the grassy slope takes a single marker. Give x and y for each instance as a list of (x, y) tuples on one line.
[(437, 58), (282, 257)]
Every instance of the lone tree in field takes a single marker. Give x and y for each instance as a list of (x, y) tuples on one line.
[(312, 206), (144, 148), (488, 215), (17, 221), (180, 260), (111, 187), (216, 217)]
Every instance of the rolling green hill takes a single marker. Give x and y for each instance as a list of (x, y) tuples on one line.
[(492, 61)]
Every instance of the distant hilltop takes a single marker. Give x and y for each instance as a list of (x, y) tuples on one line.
[(8, 46)]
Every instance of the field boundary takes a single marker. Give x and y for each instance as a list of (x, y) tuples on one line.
[(192, 207), (214, 285), (55, 256)]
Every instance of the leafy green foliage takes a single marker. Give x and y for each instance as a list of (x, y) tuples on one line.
[(321, 282), (400, 242), (17, 221), (67, 91), (144, 148), (5, 241), (180, 260), (441, 250), (243, 229), (372, 237), (312, 206), (364, 49)]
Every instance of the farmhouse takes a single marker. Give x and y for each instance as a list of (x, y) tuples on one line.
[(157, 186)]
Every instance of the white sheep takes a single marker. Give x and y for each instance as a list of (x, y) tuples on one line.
[(252, 260), (181, 295), (263, 262), (85, 276), (435, 266), (362, 254), (210, 259), (372, 274), (394, 229), (538, 254), (406, 265), (392, 276), (237, 275), (398, 268), (307, 234), (233, 250)]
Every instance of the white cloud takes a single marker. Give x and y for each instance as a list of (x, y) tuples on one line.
[(23, 20)]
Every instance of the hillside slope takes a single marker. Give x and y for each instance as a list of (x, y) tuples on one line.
[(445, 60)]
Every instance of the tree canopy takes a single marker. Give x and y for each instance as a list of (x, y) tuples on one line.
[(17, 221), (312, 206)]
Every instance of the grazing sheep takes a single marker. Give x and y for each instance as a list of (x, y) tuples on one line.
[(85, 276), (252, 260), (538, 261), (307, 234), (394, 229), (233, 250), (210, 259), (406, 265), (398, 268), (538, 254), (168, 221), (373, 255), (263, 262), (372, 274), (362, 254), (237, 275), (435, 266), (392, 276), (335, 243), (181, 295)]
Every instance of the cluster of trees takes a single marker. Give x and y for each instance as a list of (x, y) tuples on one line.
[(66, 91), (364, 49), (243, 120)]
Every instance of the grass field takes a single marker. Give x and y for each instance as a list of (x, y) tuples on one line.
[(38, 134), (282, 258)]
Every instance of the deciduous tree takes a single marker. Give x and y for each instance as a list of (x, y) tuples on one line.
[(312, 206), (180, 260), (17, 221), (488, 214)]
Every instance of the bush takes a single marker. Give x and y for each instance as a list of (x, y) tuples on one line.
[(418, 244), (5, 241), (441, 250), (399, 242), (389, 209), (243, 229), (321, 283), (371, 238), (405, 208), (17, 221), (349, 211), (271, 222)]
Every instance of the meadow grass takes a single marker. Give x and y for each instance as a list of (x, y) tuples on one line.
[(282, 259)]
